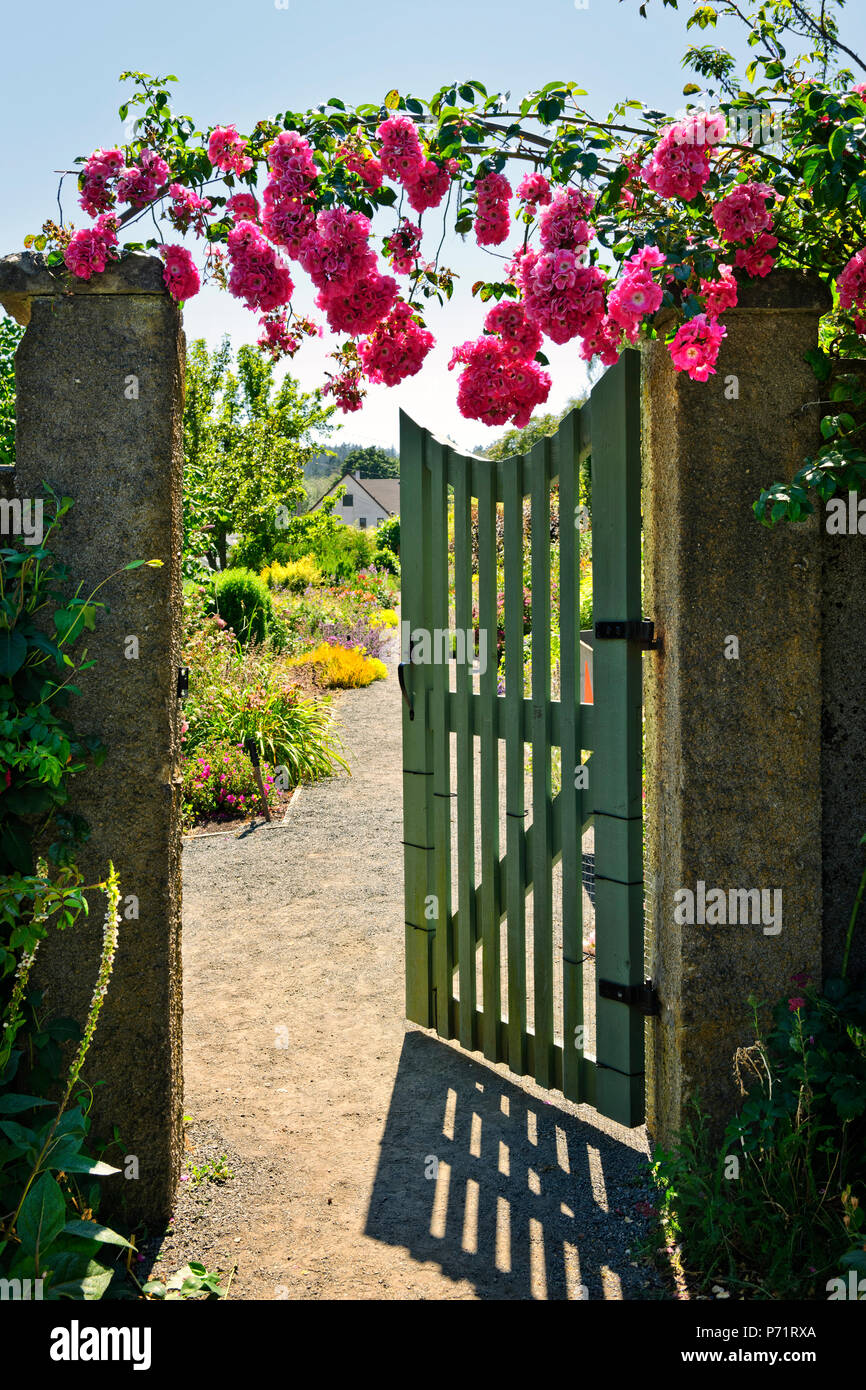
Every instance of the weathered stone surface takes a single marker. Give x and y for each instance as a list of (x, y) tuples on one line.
[(25, 276), (843, 766), (120, 459), (733, 746)]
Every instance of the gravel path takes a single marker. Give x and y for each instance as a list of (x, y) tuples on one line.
[(369, 1159)]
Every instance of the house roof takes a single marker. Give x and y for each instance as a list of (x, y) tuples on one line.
[(384, 491)]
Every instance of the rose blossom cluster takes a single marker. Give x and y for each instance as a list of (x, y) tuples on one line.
[(396, 348), (140, 182), (368, 167), (188, 209), (851, 285), (720, 294), (244, 207), (91, 247), (563, 297), (695, 347), (534, 191), (636, 293), (100, 172), (403, 246), (339, 260), (500, 381), (402, 159), (276, 338), (678, 168), (494, 220), (258, 276), (288, 213), (225, 150), (180, 275), (743, 216), (562, 226)]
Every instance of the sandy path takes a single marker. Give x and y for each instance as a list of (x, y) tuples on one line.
[(334, 1114)]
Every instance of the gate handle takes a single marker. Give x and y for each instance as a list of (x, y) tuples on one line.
[(404, 692)]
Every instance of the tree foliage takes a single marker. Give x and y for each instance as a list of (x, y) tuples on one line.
[(10, 336), (246, 441), (371, 462)]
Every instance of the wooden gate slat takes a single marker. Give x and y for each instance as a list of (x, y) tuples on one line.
[(569, 696), (542, 876), (485, 491), (416, 579), (443, 945), (515, 781), (466, 916)]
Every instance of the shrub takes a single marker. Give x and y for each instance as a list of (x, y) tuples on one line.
[(219, 782), (242, 600), (263, 708), (344, 668), (296, 576), (388, 535), (787, 1224), (386, 618), (386, 560)]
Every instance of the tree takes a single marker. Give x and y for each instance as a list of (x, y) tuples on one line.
[(371, 462), (10, 336), (245, 445)]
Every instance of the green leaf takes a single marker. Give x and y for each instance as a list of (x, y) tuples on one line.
[(11, 1104), (392, 100), (13, 652), (42, 1215), (91, 1287), (92, 1230)]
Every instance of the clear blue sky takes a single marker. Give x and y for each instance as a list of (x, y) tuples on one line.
[(242, 61)]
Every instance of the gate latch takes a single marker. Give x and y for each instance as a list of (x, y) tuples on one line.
[(643, 997), (641, 631)]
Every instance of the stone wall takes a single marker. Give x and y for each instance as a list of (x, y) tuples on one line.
[(734, 775), (99, 379)]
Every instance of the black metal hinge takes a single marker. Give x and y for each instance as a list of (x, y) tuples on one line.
[(644, 997), (182, 682), (638, 630)]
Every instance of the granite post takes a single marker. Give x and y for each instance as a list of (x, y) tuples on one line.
[(99, 383), (733, 697)]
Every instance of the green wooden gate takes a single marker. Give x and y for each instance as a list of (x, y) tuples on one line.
[(476, 958)]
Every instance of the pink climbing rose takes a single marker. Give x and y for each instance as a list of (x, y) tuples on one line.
[(397, 347), (757, 259), (258, 276), (225, 150), (244, 207), (743, 214), (91, 247), (851, 285), (695, 347), (720, 294), (493, 220), (534, 190), (400, 155), (180, 274), (677, 168)]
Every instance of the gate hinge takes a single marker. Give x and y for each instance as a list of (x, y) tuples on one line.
[(641, 631), (644, 997)]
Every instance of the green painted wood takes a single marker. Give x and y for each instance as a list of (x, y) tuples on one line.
[(587, 728), (542, 877), (515, 739), (443, 942), (443, 945), (573, 1024), (484, 474), (464, 924), (616, 762), (417, 736)]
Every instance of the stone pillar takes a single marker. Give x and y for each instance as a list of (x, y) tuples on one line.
[(733, 742), (99, 379), (843, 769)]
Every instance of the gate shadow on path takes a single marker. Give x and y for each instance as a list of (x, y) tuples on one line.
[(529, 1201)]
